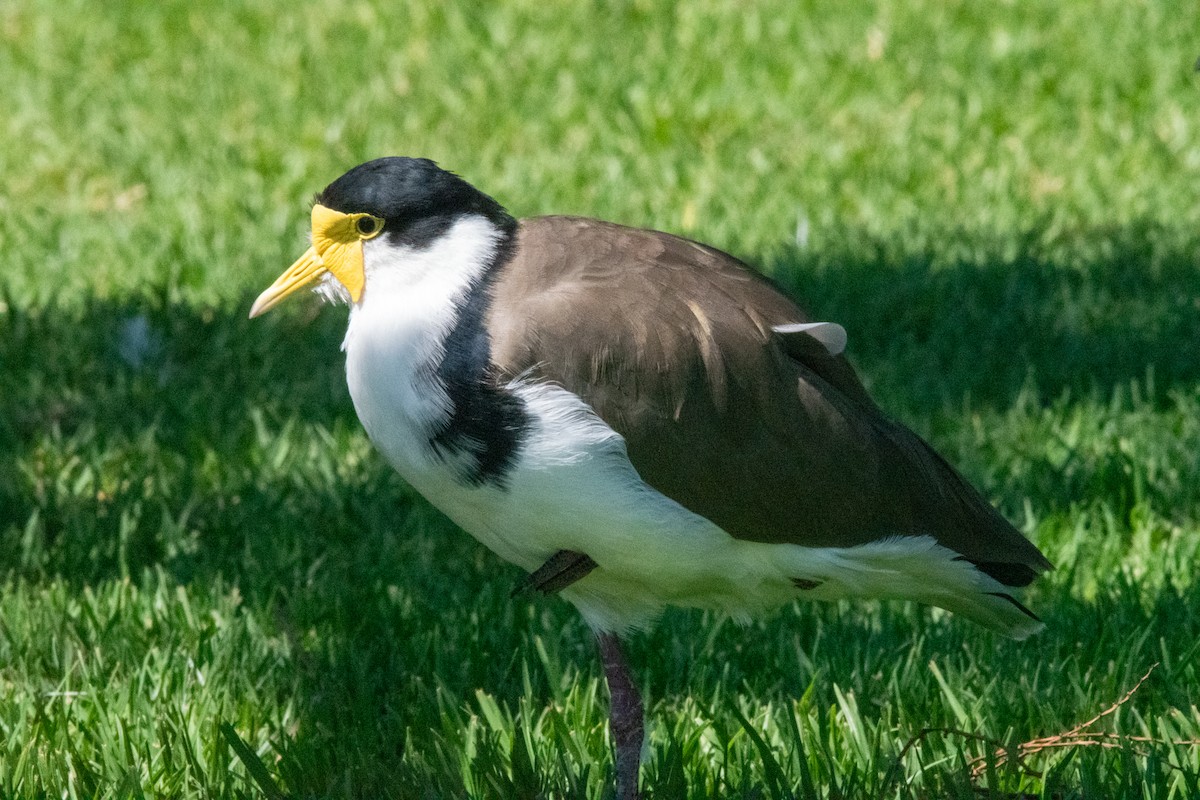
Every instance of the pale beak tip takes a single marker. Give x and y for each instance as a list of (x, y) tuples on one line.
[(261, 305)]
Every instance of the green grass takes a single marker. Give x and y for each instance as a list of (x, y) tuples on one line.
[(210, 585)]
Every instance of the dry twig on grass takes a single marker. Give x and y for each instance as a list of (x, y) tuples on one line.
[(1079, 736)]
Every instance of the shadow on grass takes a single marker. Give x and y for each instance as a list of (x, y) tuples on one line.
[(930, 332), (1083, 312), (160, 403), (144, 433)]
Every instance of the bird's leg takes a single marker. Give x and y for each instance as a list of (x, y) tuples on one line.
[(625, 717)]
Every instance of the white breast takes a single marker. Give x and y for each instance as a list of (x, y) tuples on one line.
[(397, 332)]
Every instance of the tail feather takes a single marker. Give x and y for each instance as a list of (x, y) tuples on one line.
[(998, 611), (918, 568)]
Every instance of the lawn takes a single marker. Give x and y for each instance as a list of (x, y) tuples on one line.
[(212, 587)]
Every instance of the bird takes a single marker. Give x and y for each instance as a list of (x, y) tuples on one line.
[(637, 420)]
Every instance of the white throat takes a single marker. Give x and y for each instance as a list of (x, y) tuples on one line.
[(397, 335)]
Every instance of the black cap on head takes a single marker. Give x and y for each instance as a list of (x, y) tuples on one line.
[(417, 199)]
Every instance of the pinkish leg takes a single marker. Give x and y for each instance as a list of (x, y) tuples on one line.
[(625, 720)]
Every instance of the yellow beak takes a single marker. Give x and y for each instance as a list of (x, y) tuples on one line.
[(336, 249)]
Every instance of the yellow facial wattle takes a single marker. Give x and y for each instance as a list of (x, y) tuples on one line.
[(336, 248)]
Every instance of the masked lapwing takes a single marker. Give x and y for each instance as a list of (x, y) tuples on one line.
[(635, 419)]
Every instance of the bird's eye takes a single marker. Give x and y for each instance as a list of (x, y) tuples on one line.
[(368, 225)]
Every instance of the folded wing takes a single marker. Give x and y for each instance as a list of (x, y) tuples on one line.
[(729, 403)]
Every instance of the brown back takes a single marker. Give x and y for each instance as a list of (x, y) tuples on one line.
[(767, 435)]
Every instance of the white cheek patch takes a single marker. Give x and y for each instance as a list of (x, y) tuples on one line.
[(831, 335)]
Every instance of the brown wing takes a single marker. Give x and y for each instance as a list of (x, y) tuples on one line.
[(767, 435)]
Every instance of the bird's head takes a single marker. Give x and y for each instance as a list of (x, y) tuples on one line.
[(385, 203)]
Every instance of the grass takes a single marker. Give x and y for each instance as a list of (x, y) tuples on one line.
[(210, 586)]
